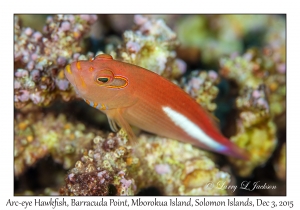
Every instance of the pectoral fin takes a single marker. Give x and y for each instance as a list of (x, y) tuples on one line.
[(116, 116), (113, 125)]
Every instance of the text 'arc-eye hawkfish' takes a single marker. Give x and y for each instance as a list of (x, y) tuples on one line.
[(131, 95)]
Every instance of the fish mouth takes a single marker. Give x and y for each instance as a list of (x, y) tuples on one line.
[(76, 79), (68, 69), (70, 76)]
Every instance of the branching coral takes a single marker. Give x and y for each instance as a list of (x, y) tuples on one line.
[(39, 134), (40, 58), (103, 170), (151, 45), (176, 168), (261, 98), (114, 168), (261, 79), (256, 130), (39, 78), (202, 87), (254, 69)]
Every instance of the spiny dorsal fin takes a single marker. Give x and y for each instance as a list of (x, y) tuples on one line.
[(103, 57)]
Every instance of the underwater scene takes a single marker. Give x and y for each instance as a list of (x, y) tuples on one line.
[(177, 104)]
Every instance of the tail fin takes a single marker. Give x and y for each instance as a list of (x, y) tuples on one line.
[(236, 152)]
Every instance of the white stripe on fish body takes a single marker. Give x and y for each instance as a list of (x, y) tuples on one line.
[(192, 129)]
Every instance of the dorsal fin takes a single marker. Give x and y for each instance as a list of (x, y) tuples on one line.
[(103, 57)]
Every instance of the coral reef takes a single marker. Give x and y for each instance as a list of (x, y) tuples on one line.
[(41, 57), (190, 173), (261, 78), (259, 68), (40, 134), (114, 168), (151, 45), (256, 131), (261, 98), (208, 37), (101, 164), (203, 87), (102, 171)]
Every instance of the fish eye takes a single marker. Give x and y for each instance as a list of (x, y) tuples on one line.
[(103, 79), (106, 78)]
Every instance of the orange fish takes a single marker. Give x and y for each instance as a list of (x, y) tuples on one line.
[(132, 95)]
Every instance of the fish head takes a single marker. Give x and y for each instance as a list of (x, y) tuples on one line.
[(96, 78)]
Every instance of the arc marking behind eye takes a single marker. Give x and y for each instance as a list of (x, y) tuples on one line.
[(117, 81)]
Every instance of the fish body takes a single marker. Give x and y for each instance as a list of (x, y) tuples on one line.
[(131, 95)]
